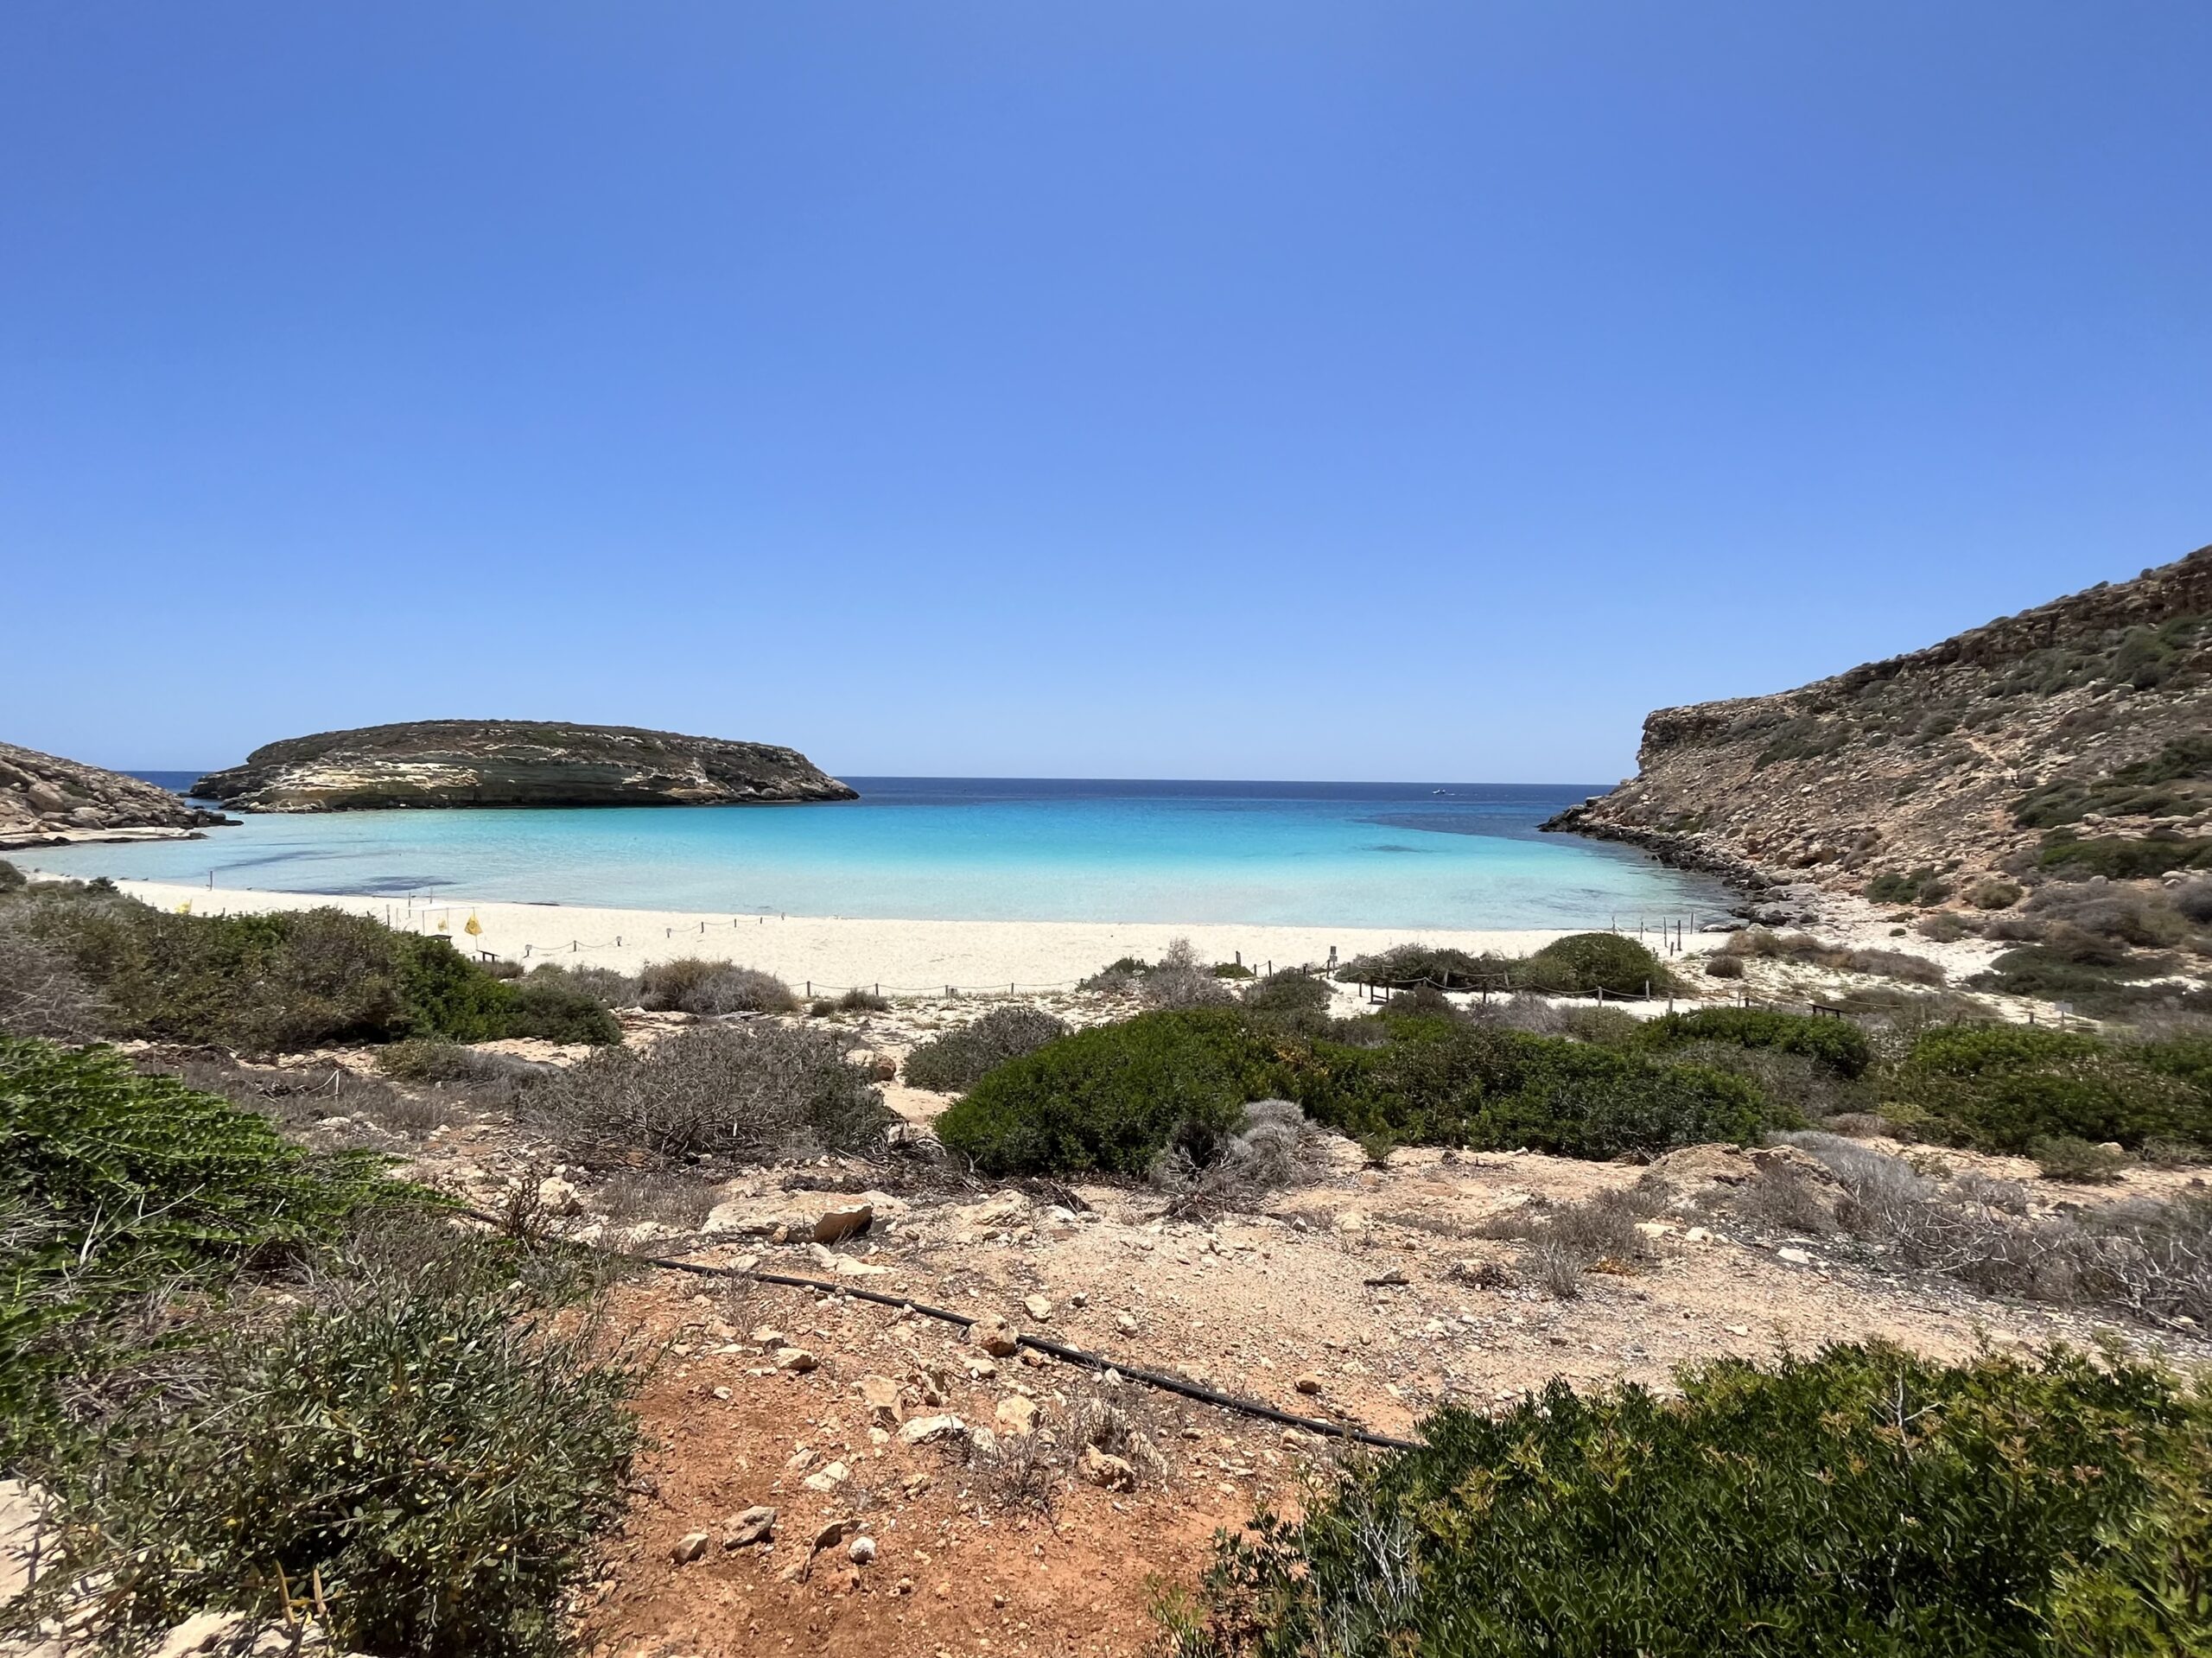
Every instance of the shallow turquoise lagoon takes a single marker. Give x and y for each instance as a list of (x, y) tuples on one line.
[(1294, 854)]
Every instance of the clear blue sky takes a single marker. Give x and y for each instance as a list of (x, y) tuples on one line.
[(1370, 390)]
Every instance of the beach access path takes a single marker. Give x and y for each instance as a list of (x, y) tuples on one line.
[(838, 952)]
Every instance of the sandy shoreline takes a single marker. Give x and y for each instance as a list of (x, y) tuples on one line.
[(916, 957)]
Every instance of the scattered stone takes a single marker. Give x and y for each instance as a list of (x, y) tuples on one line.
[(1037, 1307), (1308, 1383), (1108, 1473), (800, 1461), (880, 1398), (1016, 1416), (756, 1525), (828, 1478), (1125, 1324), (1795, 1257), (1395, 1276), (862, 1552), (559, 1197), (927, 1430), (796, 1360), (692, 1545), (994, 1335), (768, 1336)]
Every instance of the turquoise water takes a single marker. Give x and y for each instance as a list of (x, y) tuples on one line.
[(1293, 853)]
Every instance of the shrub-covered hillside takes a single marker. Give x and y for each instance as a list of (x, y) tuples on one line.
[(80, 959), (1860, 1503)]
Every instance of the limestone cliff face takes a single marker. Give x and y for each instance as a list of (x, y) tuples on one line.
[(48, 801), (2091, 715), (513, 762)]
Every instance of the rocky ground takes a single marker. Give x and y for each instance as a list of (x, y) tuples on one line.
[(48, 801), (932, 1493)]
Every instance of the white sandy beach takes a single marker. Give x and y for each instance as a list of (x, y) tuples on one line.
[(914, 957)]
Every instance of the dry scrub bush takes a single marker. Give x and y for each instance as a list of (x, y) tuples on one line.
[(752, 1093), (1179, 981), (1272, 1149), (1565, 1240), (671, 1197), (959, 1060), (42, 992), (689, 985)]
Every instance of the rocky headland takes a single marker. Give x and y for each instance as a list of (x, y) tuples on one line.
[(458, 762), (2078, 732), (47, 801)]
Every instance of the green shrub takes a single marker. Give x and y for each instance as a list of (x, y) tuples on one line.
[(1835, 1043), (2104, 986), (11, 879), (2122, 857), (2069, 1157), (1922, 886), (113, 1185), (290, 980), (1441, 1083), (1583, 962), (1288, 995), (1110, 1099), (437, 1464), (959, 1060), (691, 985), (1406, 965), (1860, 1503), (2004, 1086), (1720, 966), (1994, 895)]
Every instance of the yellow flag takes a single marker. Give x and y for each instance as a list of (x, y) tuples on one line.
[(475, 928), (445, 924), (185, 908)]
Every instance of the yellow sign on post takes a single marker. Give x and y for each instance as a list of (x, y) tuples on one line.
[(475, 928)]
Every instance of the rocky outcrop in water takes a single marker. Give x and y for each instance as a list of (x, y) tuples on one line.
[(449, 763), (47, 801), (2080, 731)]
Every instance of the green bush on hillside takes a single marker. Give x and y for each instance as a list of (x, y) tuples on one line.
[(1835, 1043), (1108, 1100), (1586, 962), (1860, 1503), (2122, 857), (113, 1185), (2004, 1086), (438, 1464), (288, 979)]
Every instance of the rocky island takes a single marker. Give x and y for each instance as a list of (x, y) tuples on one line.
[(47, 801), (2076, 736), (459, 763)]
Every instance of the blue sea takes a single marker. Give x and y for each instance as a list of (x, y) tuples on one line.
[(1444, 855)]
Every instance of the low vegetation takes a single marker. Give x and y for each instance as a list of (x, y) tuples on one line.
[(1581, 964), (691, 985), (1860, 1500), (259, 983), (1113, 1099), (959, 1060), (1835, 1043), (751, 1092), (1758, 944), (251, 1378)]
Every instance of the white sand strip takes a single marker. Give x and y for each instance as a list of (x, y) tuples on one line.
[(914, 958)]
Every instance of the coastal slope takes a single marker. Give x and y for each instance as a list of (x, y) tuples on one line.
[(47, 801), (2080, 731), (458, 762)]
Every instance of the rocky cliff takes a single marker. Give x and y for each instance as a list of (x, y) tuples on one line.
[(2080, 731), (48, 801), (513, 762)]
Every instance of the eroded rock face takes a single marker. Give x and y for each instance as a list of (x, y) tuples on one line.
[(514, 763), (47, 801), (2092, 710)]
